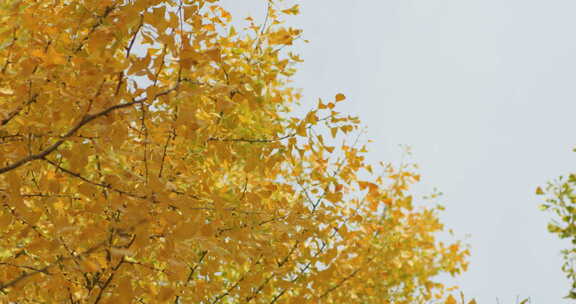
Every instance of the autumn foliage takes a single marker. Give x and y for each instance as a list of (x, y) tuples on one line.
[(560, 197), (148, 155)]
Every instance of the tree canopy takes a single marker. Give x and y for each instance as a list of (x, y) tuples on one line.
[(148, 154)]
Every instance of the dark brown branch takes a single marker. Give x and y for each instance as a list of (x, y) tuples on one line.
[(164, 151), (171, 136), (243, 226), (131, 44), (339, 283), (107, 186), (262, 140), (287, 257), (251, 140), (119, 83), (15, 113), (267, 280), (348, 277), (227, 292), (144, 132), (45, 268), (23, 220), (192, 271), (87, 118), (23, 276), (10, 47), (259, 289), (278, 296), (105, 285), (100, 21), (146, 266), (26, 267), (232, 209), (21, 137), (40, 194), (324, 245)]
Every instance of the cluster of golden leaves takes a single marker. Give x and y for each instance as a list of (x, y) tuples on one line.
[(147, 155)]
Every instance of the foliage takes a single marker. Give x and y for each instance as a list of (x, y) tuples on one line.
[(147, 153), (561, 200)]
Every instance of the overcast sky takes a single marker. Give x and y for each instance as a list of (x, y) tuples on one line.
[(483, 91)]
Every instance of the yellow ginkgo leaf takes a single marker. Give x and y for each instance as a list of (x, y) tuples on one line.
[(450, 300), (340, 97)]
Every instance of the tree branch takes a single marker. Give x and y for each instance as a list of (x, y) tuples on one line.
[(191, 274), (107, 186), (15, 113), (131, 44), (45, 268), (343, 280), (103, 287), (87, 118), (25, 267)]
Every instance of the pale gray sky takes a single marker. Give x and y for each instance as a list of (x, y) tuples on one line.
[(484, 91)]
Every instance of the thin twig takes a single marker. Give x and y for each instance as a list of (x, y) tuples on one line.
[(45, 271), (107, 186), (191, 274), (131, 44), (103, 287), (15, 113)]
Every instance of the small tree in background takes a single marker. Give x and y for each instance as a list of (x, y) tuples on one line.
[(147, 154), (561, 202)]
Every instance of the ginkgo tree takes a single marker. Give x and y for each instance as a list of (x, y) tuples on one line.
[(560, 197), (148, 155)]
